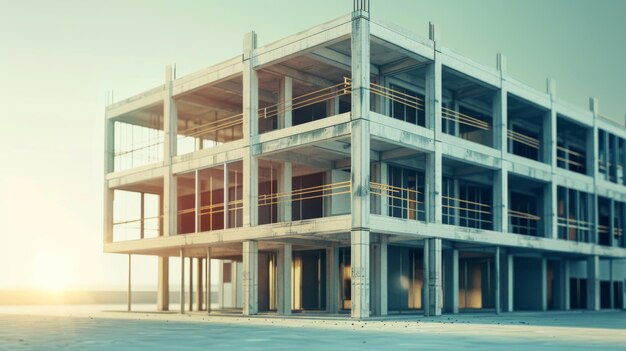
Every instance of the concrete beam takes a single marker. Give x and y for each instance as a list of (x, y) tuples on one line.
[(304, 42), (306, 78), (338, 60)]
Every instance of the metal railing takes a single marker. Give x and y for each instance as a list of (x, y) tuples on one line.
[(524, 139), (397, 96), (569, 157), (408, 199), (465, 119)]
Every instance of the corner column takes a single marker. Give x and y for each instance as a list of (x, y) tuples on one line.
[(549, 148), (360, 172), (432, 277), (250, 278), (170, 128), (433, 122), (379, 277), (250, 130)]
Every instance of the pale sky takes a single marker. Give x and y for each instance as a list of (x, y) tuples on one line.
[(59, 58)]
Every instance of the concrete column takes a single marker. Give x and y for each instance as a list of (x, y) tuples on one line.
[(433, 121), (379, 278), (170, 129), (500, 142), (250, 130), (226, 197), (163, 284), (496, 285), (332, 280), (283, 278), (612, 291), (128, 292), (285, 187), (544, 284), (451, 282), (360, 263), (250, 277), (566, 286), (593, 167), (550, 211), (509, 282), (360, 153), (384, 179), (501, 199), (500, 120), (559, 291), (190, 284), (207, 269), (182, 281), (432, 277), (593, 283), (611, 223), (199, 284), (109, 165), (197, 201), (549, 152), (220, 284), (287, 96)]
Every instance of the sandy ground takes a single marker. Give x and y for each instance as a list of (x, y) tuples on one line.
[(97, 327)]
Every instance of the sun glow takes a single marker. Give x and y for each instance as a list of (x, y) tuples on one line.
[(50, 272)]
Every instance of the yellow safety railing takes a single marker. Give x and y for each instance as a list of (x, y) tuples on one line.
[(464, 205), (462, 118), (397, 96), (212, 126), (580, 157), (524, 215), (394, 192), (524, 139), (313, 192), (308, 99), (605, 230)]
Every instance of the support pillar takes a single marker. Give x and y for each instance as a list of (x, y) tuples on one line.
[(128, 293), (190, 284), (207, 299), (360, 172), (432, 277), (182, 281), (360, 263), (250, 130), (593, 283), (170, 129), (332, 280), (509, 282), (250, 277), (544, 284), (286, 96), (163, 285), (283, 278), (497, 289), (285, 187), (199, 284), (379, 277), (451, 283)]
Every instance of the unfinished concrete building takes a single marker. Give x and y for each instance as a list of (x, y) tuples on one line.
[(357, 168)]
